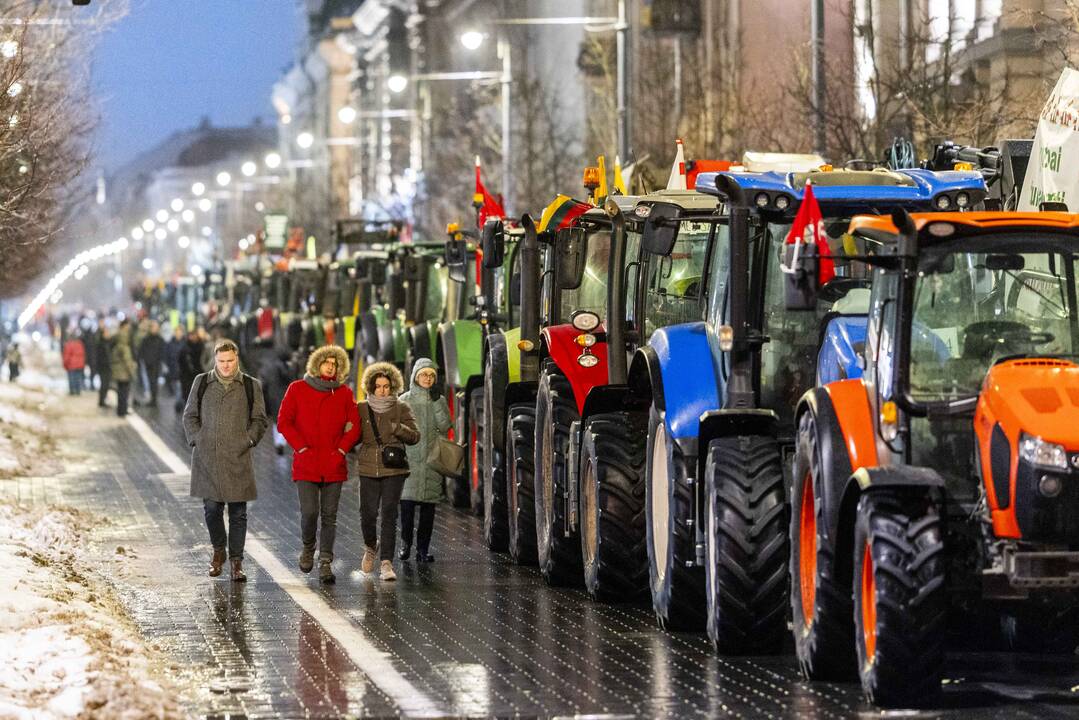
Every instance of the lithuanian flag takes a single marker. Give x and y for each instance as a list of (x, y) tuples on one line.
[(561, 213)]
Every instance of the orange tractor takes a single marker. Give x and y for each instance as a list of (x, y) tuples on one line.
[(944, 483)]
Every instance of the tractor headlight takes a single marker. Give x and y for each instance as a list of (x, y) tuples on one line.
[(585, 321), (962, 200), (1043, 454), (783, 202), (588, 360), (943, 202), (761, 200)]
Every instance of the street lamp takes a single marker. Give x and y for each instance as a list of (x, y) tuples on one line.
[(177, 205), (148, 225), (188, 215), (9, 48), (305, 140), (472, 39), (206, 204), (397, 83), (347, 114), (223, 178), (162, 216), (198, 189), (249, 168), (273, 161), (184, 242), (137, 233)]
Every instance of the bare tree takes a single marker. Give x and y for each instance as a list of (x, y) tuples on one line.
[(546, 147), (46, 119)]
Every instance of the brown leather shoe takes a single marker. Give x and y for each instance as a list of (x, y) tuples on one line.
[(238, 570), (368, 562), (217, 561)]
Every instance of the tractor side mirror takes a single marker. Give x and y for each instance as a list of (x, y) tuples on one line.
[(493, 242), (801, 282), (569, 252), (456, 256), (660, 228)]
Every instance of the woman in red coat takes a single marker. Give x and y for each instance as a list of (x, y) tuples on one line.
[(74, 358), (318, 419)]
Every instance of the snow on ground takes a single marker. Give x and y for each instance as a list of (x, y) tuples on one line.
[(67, 648)]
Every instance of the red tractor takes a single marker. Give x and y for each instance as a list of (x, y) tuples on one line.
[(943, 484)]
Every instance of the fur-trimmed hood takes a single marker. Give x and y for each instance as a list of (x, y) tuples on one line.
[(397, 382), (315, 359)]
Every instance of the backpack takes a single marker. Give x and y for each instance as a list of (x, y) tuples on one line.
[(249, 390)]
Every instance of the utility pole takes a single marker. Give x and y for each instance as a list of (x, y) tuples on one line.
[(819, 94), (623, 91), (505, 54)]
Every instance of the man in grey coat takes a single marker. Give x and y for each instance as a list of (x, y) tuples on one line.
[(224, 419)]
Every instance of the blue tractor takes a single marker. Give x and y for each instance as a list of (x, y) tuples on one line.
[(721, 391)]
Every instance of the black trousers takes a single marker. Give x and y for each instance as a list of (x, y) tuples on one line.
[(319, 501), (152, 375), (214, 512), (379, 500), (427, 524), (103, 387), (123, 390)]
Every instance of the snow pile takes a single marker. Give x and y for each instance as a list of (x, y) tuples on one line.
[(26, 435), (66, 650)]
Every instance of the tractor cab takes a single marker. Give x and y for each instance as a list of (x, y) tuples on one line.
[(961, 435)]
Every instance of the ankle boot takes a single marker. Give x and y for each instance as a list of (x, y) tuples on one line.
[(325, 573), (238, 570), (217, 561), (307, 559), (405, 551)]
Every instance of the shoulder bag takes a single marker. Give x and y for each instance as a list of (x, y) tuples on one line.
[(446, 457), (393, 456)]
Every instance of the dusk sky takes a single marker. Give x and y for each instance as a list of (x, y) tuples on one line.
[(168, 64)]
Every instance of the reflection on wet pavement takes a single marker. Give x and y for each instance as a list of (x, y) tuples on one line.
[(473, 633)]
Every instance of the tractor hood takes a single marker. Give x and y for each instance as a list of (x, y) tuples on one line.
[(1037, 396)]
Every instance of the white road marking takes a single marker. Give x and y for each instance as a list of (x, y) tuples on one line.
[(375, 664)]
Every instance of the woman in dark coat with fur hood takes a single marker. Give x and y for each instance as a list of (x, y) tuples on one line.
[(386, 422), (318, 419)]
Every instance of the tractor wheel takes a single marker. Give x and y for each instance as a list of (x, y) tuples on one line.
[(495, 529), (821, 606), (612, 506), (746, 545), (520, 494), (899, 598), (559, 556), (475, 451), (675, 578)]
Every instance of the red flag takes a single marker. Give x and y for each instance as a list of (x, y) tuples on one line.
[(808, 227), (489, 207)]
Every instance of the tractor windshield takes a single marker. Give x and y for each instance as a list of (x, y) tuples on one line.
[(675, 280), (591, 294), (1015, 296), (436, 288)]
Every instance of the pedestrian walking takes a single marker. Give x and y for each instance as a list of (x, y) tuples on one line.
[(224, 418), (318, 418), (274, 375), (89, 343), (173, 348), (190, 366), (423, 486), (74, 359), (13, 358), (152, 357), (387, 427), (103, 348), (122, 362)]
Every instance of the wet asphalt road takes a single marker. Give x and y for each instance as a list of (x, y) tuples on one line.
[(471, 634)]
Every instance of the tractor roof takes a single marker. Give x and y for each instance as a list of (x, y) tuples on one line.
[(934, 227), (847, 192), (686, 199)]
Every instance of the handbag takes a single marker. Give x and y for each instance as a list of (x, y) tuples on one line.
[(393, 456), (446, 457)]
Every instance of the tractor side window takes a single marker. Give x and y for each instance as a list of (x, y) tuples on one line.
[(789, 358), (719, 275), (437, 282), (675, 281)]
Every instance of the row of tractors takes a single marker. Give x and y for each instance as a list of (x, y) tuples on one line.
[(865, 438)]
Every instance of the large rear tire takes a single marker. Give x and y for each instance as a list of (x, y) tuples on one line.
[(746, 546), (475, 451), (520, 494), (495, 520), (558, 552), (822, 609), (612, 506), (899, 597), (675, 578)]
